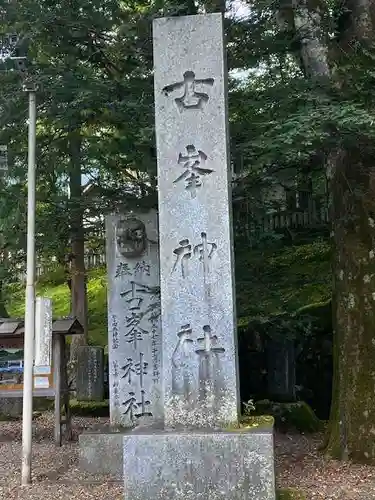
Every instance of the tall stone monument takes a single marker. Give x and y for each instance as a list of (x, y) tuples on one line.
[(196, 269), (134, 332), (202, 452)]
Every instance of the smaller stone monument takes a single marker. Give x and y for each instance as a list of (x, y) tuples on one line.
[(281, 368), (43, 343), (134, 332), (43, 332), (90, 373), (134, 340)]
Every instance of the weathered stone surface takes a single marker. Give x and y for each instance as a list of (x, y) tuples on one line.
[(134, 331), (198, 309), (11, 407), (101, 453), (90, 373), (207, 466), (43, 332), (281, 370)]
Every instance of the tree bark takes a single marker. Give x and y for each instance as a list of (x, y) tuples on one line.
[(352, 189), (313, 47), (78, 273), (350, 230), (303, 21), (3, 310), (351, 428), (352, 420)]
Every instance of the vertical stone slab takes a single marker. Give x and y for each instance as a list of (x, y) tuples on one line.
[(281, 368), (197, 284), (90, 373), (134, 331), (43, 332)]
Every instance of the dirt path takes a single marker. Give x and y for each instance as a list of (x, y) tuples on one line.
[(56, 475)]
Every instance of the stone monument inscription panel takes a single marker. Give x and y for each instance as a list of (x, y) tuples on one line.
[(134, 331)]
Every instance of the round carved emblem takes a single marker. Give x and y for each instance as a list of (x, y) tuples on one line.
[(131, 237)]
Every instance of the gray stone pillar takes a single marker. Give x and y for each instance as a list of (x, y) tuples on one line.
[(196, 246)]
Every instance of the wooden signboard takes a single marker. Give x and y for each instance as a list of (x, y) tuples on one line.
[(49, 380)]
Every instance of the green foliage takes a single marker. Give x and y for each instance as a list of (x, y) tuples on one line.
[(257, 422), (60, 295), (282, 279), (78, 57), (268, 282)]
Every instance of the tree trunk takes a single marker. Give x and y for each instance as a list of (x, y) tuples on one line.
[(352, 421), (78, 273), (313, 46), (3, 310), (351, 170)]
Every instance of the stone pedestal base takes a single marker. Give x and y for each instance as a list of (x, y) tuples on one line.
[(205, 465), (101, 453)]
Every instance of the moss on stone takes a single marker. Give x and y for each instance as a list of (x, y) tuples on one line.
[(298, 416), (90, 408), (319, 313), (265, 422), (8, 418), (290, 494)]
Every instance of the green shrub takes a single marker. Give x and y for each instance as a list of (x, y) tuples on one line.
[(297, 416)]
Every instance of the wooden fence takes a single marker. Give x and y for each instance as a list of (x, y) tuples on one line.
[(295, 219), (251, 227)]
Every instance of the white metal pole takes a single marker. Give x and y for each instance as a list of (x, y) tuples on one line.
[(27, 415)]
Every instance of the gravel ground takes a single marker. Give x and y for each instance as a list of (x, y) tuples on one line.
[(56, 475), (299, 464)]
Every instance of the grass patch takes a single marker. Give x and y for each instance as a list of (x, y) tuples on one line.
[(290, 494), (90, 408), (51, 286)]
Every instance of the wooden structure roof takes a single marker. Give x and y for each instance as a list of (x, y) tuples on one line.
[(15, 328)]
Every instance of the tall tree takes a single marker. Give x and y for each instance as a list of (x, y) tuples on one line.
[(92, 120), (353, 215), (333, 49)]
